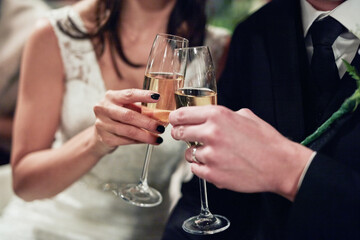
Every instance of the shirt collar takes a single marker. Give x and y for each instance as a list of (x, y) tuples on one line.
[(346, 13)]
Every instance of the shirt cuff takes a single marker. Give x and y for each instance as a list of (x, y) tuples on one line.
[(305, 169)]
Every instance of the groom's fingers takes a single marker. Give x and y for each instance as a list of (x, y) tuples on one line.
[(191, 115)]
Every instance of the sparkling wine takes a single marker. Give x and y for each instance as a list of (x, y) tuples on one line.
[(165, 84), (185, 97)]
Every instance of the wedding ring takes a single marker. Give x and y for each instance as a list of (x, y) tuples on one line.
[(194, 155)]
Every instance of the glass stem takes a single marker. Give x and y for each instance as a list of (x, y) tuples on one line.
[(205, 212), (144, 174)]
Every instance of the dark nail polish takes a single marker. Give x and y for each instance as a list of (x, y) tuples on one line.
[(159, 140), (160, 129), (155, 96)]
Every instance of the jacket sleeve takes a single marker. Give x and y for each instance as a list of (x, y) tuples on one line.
[(327, 205)]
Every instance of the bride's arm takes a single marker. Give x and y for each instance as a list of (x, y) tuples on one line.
[(42, 172)]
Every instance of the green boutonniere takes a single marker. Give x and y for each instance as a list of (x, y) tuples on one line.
[(349, 105)]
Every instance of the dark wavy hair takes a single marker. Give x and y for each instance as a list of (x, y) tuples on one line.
[(187, 19)]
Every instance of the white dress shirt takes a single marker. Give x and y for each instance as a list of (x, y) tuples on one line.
[(346, 45)]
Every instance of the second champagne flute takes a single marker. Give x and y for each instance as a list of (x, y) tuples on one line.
[(200, 89), (164, 74)]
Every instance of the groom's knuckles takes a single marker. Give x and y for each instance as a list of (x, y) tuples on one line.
[(179, 116), (178, 132)]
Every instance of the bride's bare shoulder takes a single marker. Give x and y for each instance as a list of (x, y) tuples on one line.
[(86, 9)]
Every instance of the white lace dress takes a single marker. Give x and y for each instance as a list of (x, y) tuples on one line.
[(84, 210)]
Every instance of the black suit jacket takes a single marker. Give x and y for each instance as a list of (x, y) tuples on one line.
[(268, 71)]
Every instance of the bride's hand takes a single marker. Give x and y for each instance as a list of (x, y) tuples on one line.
[(119, 120)]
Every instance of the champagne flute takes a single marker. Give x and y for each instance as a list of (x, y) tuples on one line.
[(200, 89), (164, 74)]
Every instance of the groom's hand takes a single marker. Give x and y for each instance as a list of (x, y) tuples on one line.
[(240, 151)]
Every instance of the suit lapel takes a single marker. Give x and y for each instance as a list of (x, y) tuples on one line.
[(289, 65), (345, 88)]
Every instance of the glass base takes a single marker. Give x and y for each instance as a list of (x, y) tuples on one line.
[(202, 225), (110, 187), (139, 195)]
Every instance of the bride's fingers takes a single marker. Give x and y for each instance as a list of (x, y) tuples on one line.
[(114, 141), (123, 133), (124, 115), (128, 96), (133, 106)]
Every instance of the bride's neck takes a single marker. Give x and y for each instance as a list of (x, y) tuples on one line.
[(145, 14)]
